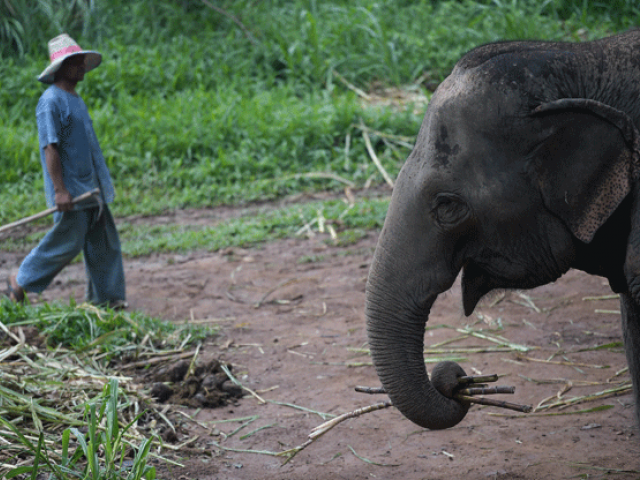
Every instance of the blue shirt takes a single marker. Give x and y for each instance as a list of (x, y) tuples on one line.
[(63, 119)]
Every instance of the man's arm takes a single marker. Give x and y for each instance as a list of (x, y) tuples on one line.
[(54, 166)]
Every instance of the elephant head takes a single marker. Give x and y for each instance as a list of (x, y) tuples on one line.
[(525, 166)]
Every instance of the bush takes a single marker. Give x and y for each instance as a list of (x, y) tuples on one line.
[(195, 106)]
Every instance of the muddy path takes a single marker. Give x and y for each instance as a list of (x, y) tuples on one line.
[(290, 318)]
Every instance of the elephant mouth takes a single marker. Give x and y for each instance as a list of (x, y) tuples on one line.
[(478, 281), (475, 285)]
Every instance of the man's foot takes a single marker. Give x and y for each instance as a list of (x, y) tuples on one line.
[(14, 291), (118, 305)]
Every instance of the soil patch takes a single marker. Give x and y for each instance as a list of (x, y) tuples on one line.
[(291, 320)]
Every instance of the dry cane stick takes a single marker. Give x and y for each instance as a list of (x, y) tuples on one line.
[(48, 211), (463, 395), (494, 403), (478, 379), (461, 380), (374, 157), (486, 390), (320, 430)]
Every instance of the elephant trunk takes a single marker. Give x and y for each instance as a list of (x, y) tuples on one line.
[(395, 327)]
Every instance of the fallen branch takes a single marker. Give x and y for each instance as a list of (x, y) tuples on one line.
[(270, 291), (352, 87), (566, 387), (370, 462), (463, 395), (322, 415), (157, 359), (565, 363), (494, 403), (226, 370), (528, 302), (233, 18), (600, 408), (320, 430), (589, 398), (602, 297), (374, 157), (496, 339)]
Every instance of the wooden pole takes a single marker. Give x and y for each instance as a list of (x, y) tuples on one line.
[(48, 211)]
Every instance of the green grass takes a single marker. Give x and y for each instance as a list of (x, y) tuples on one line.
[(99, 453), (85, 327), (98, 419), (254, 229), (229, 117), (251, 228), (196, 109)]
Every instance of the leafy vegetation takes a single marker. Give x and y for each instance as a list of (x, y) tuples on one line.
[(101, 416), (252, 227), (197, 106), (85, 327), (99, 454)]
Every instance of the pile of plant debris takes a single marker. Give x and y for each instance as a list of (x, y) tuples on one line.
[(46, 388)]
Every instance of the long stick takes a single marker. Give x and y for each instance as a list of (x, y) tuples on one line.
[(494, 403), (48, 211), (374, 157)]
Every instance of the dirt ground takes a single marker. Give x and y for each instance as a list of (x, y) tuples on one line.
[(291, 322)]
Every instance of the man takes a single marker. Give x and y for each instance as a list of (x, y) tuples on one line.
[(72, 164)]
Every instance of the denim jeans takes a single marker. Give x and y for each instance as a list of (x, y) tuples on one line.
[(75, 231)]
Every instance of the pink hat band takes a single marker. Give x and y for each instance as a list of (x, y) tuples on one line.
[(65, 51), (62, 47)]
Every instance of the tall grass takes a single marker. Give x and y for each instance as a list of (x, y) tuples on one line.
[(64, 414), (193, 110), (25, 25), (100, 452)]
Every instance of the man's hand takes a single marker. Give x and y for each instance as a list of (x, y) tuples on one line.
[(63, 197), (63, 201)]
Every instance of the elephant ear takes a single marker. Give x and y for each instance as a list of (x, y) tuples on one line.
[(587, 165)]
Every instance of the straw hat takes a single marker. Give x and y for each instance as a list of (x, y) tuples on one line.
[(63, 47)]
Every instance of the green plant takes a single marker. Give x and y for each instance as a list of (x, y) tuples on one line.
[(100, 454), (233, 116), (26, 25), (100, 417), (86, 328), (255, 227)]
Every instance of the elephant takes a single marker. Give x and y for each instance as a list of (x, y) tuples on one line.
[(526, 165)]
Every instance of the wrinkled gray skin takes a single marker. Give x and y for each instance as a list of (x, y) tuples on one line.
[(527, 164)]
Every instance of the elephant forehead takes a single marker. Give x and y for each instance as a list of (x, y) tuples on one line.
[(455, 87), (449, 140), (470, 88)]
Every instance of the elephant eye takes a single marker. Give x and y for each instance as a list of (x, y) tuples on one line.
[(450, 209)]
